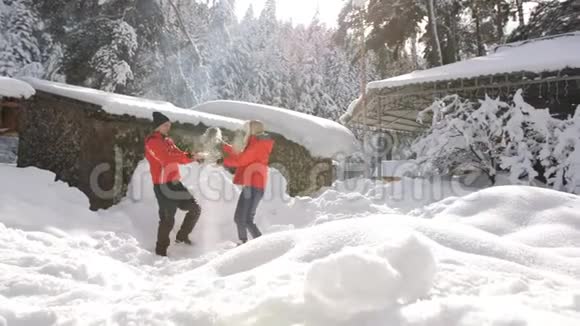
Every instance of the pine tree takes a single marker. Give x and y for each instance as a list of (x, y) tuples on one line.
[(182, 75), (434, 33), (224, 51), (549, 18), (268, 14), (111, 62), (99, 40), (19, 46)]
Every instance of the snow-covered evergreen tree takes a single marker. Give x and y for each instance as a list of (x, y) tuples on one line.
[(111, 62), (20, 37), (179, 76), (141, 48)]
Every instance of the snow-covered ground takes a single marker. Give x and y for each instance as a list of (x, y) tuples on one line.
[(418, 252)]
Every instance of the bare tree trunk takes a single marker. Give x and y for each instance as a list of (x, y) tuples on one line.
[(363, 58), (414, 51), (195, 50), (434, 31), (480, 49), (499, 21), (520, 4), (452, 20), (457, 8)]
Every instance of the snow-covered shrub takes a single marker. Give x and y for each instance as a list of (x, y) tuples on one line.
[(463, 135), (563, 155), (492, 135), (526, 132)]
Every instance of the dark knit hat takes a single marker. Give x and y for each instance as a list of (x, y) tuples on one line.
[(159, 119)]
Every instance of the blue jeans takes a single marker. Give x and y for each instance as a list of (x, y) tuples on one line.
[(245, 212)]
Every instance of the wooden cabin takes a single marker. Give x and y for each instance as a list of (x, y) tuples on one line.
[(546, 69), (93, 140)]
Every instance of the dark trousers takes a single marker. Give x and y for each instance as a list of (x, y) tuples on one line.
[(170, 197), (245, 212)]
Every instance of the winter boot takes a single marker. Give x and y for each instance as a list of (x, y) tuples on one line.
[(161, 252), (184, 240)]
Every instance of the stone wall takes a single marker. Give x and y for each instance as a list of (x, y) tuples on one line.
[(305, 174), (98, 152)]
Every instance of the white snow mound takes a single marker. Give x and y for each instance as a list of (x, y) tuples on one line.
[(534, 216), (322, 137), (363, 279), (10, 87)]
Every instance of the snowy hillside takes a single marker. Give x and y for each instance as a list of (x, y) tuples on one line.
[(502, 256)]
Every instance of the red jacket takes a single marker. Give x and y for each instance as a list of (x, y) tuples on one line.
[(252, 163), (164, 158)]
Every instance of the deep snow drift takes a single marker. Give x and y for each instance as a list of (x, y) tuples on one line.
[(357, 254)]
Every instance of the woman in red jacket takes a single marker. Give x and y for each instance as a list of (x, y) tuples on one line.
[(252, 174)]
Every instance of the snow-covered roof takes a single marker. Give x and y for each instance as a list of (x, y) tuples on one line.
[(10, 87), (322, 137), (134, 106), (550, 53)]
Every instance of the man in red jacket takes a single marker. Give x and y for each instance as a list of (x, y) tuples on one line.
[(164, 159), (252, 174)]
